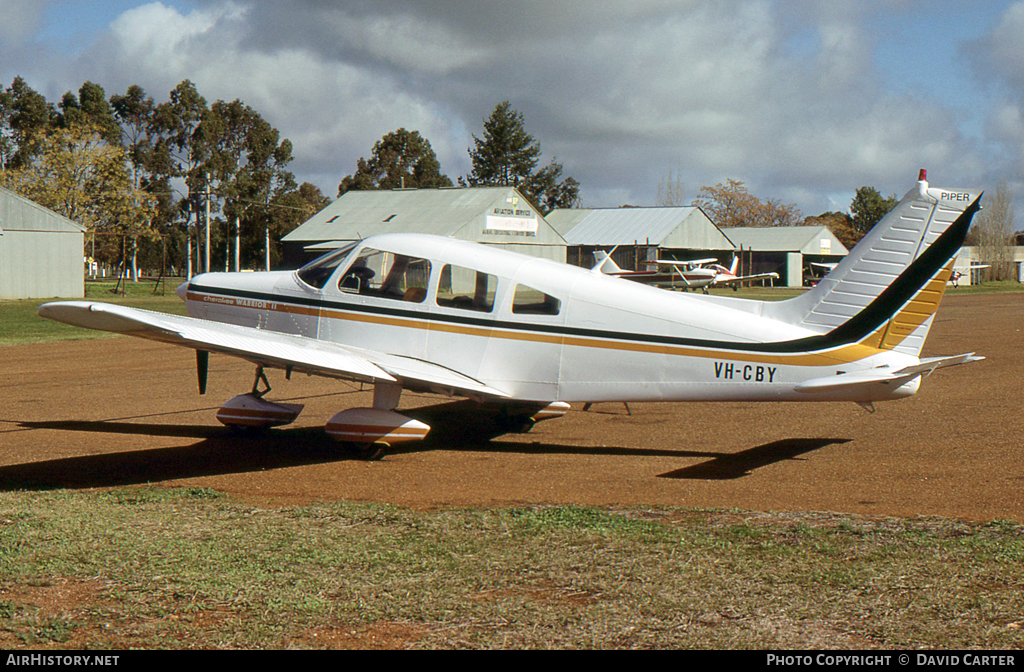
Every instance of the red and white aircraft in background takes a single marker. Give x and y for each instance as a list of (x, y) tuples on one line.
[(433, 314), (694, 274)]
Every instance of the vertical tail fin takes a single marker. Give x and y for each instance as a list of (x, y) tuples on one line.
[(886, 291), (605, 264)]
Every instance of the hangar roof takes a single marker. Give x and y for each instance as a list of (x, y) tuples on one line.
[(817, 240), (671, 227), (481, 214), (18, 213)]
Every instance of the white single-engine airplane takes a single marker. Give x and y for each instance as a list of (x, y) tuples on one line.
[(695, 274), (706, 273), (425, 313), (961, 271)]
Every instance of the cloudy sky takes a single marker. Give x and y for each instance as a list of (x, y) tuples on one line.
[(803, 100)]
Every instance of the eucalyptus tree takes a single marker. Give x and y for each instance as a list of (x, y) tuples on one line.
[(248, 165), (90, 106), (183, 151), (400, 159), (285, 211), (7, 144), (135, 114), (26, 116)]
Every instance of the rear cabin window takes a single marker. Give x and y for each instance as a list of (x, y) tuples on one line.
[(387, 275), (530, 301), (466, 289)]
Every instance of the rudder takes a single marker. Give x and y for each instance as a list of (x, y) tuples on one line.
[(886, 291)]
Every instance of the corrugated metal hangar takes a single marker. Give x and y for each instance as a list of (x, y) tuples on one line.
[(786, 250), (41, 252), (639, 234), (498, 216)]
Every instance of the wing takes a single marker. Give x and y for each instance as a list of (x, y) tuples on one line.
[(746, 278), (268, 348), (684, 264)]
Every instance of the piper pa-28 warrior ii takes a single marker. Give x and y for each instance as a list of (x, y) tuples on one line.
[(426, 313)]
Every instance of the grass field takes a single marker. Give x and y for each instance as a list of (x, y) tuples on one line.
[(181, 568), (19, 322)]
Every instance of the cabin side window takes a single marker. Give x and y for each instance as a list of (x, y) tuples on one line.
[(530, 301), (387, 275), (466, 289)]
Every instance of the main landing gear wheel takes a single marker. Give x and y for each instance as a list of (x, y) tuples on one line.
[(369, 452)]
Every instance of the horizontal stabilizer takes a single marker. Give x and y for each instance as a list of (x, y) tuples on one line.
[(931, 363), (882, 376)]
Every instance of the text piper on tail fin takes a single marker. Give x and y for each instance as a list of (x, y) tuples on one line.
[(431, 314)]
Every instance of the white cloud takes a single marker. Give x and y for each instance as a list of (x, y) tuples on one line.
[(1005, 47), (998, 60), (620, 93)]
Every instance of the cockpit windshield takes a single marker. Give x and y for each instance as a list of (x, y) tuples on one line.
[(317, 272)]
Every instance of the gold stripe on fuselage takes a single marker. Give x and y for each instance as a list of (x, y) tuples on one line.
[(832, 357)]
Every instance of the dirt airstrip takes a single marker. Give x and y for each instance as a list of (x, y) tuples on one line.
[(101, 413)]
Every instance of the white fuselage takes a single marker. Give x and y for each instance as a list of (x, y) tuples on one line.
[(607, 339)]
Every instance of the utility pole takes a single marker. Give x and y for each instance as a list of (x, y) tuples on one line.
[(238, 243), (206, 266)]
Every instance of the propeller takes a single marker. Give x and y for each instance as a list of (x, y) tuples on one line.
[(202, 368)]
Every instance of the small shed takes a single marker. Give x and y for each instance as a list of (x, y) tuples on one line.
[(41, 252), (639, 234), (498, 216), (786, 250)]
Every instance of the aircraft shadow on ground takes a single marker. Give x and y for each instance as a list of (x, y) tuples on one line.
[(737, 465), (458, 426)]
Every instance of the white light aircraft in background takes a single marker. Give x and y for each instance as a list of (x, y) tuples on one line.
[(817, 270), (431, 314), (703, 273), (961, 271), (694, 274)]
